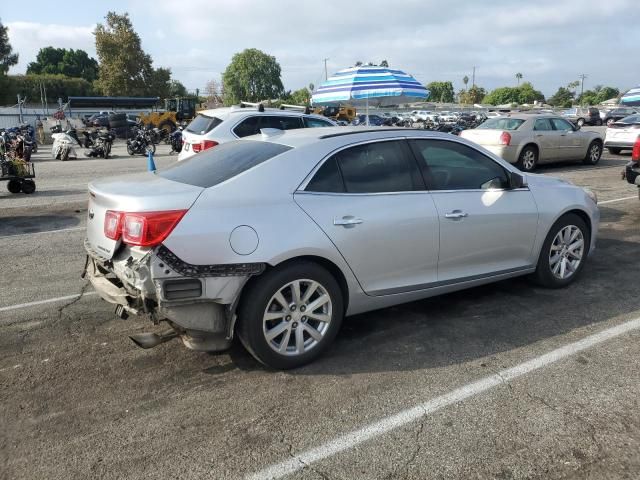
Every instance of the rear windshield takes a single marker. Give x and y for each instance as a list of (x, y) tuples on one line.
[(203, 124), (501, 123), (223, 162)]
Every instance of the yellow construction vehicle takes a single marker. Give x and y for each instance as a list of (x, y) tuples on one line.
[(175, 110), (344, 113)]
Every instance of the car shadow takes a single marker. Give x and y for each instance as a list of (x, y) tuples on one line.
[(477, 323), (18, 225)]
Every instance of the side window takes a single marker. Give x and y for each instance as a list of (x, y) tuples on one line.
[(311, 122), (280, 122), (327, 178), (453, 166), (542, 124), (249, 126), (379, 167), (561, 124)]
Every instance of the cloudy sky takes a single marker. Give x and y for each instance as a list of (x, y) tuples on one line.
[(550, 42)]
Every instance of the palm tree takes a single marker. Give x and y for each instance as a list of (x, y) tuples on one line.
[(518, 77), (465, 80)]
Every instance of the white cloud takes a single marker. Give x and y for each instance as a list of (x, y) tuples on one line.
[(27, 38)]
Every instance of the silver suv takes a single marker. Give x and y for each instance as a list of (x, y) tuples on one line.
[(213, 127)]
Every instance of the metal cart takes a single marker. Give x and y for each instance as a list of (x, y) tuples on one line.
[(18, 175)]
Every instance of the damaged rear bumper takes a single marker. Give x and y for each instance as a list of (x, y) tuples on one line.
[(198, 301)]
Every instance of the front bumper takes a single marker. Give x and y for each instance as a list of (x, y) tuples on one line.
[(197, 302)]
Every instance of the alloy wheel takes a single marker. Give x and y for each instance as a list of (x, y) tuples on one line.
[(297, 317), (529, 160), (594, 153), (567, 250)]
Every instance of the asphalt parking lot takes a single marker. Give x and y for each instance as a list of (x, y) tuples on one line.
[(504, 381)]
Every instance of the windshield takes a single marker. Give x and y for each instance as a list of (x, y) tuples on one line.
[(223, 162), (203, 124), (500, 123)]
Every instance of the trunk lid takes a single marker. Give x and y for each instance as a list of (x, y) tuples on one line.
[(483, 136), (144, 192)]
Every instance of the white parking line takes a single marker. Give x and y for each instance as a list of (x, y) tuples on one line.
[(42, 302), (617, 200), (381, 427), (73, 229)]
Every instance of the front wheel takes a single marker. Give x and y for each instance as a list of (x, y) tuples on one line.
[(13, 186), (290, 315), (130, 149), (528, 159), (563, 253), (580, 122), (28, 186), (594, 152)]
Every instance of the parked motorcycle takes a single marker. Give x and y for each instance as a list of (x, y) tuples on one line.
[(141, 143), (175, 139), (64, 145), (101, 146)]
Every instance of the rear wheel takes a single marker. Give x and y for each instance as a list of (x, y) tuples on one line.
[(614, 151), (528, 159), (563, 253), (580, 122), (290, 315), (28, 186), (610, 122), (594, 152), (64, 156)]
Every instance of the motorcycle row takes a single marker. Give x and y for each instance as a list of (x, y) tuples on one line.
[(18, 142), (98, 142)]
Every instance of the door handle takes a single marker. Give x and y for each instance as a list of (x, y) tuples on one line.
[(348, 221), (456, 214)]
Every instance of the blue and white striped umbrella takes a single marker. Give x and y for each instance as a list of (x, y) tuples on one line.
[(631, 98), (369, 85)]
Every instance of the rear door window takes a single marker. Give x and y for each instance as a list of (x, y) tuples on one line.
[(561, 124), (222, 162), (311, 122), (248, 126), (203, 124), (542, 124), (379, 167)]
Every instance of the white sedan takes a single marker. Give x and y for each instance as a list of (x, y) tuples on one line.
[(530, 139), (622, 135)]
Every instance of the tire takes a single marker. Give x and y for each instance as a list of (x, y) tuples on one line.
[(610, 122), (259, 299), (28, 186), (13, 186), (528, 159), (544, 274), (599, 123), (64, 156), (580, 122), (130, 150), (614, 150), (168, 126), (594, 152)]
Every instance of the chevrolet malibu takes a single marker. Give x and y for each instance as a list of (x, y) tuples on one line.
[(276, 237)]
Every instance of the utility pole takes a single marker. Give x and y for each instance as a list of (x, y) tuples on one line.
[(582, 76), (326, 76), (473, 81)]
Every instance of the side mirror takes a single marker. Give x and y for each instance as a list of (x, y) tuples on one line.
[(517, 181), (576, 127)]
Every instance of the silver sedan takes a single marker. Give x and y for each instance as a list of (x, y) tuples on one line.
[(531, 139), (275, 238)]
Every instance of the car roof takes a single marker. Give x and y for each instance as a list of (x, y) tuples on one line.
[(226, 112)]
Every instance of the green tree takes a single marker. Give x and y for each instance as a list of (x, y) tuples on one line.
[(177, 89), (72, 63), (465, 80), (125, 69), (441, 92), (474, 95), (384, 63), (524, 93), (358, 63), (562, 98), (252, 76), (300, 97), (518, 77), (7, 57), (57, 86), (597, 95)]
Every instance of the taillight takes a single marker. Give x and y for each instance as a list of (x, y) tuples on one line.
[(203, 145), (143, 229), (505, 138), (635, 154), (112, 225)]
